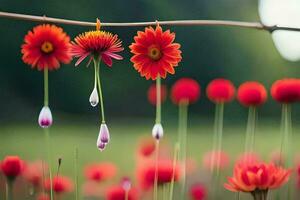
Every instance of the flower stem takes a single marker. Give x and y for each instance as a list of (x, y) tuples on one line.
[(158, 100), (176, 152), (126, 194), (76, 173), (286, 133), (47, 138), (97, 66), (9, 189), (250, 132), (183, 118), (46, 88), (155, 188)]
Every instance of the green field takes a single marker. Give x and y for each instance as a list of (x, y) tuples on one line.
[(28, 142)]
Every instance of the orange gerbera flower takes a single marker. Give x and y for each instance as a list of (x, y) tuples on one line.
[(257, 178), (46, 46), (97, 44), (155, 53)]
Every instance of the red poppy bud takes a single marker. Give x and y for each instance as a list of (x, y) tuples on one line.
[(252, 94), (198, 192), (220, 91), (286, 90), (151, 94), (12, 166), (185, 89)]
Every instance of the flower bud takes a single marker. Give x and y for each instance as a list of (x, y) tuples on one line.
[(94, 98), (101, 146), (45, 118), (157, 131), (126, 183), (104, 134)]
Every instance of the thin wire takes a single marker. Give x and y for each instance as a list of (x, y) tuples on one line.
[(253, 25)]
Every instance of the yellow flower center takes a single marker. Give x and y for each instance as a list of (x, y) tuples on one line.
[(47, 47), (154, 53)]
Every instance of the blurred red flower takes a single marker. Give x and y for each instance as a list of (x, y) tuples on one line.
[(252, 94), (118, 193), (46, 46), (198, 192), (185, 89), (210, 160), (60, 184), (146, 147), (248, 158), (298, 176), (97, 45), (12, 166), (165, 173), (93, 189), (42, 196), (151, 94), (100, 171), (33, 172), (257, 177), (155, 53), (220, 91), (286, 90)]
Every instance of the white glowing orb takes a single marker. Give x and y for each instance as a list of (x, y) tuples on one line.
[(283, 13)]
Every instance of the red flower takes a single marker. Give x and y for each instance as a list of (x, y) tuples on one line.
[(210, 160), (43, 196), (46, 46), (185, 89), (100, 171), (220, 91), (146, 147), (155, 54), (60, 184), (165, 173), (97, 45), (252, 94), (12, 166), (151, 94), (286, 90), (198, 192), (118, 193), (33, 172), (257, 177)]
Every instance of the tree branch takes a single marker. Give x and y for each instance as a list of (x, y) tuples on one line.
[(251, 25)]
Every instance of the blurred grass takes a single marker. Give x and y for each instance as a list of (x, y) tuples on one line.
[(28, 142)]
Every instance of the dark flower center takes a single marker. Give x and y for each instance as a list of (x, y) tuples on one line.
[(154, 52), (47, 47)]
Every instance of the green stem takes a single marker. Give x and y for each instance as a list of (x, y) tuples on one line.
[(176, 151), (47, 138), (155, 188), (9, 189), (158, 100), (97, 66), (250, 132), (286, 134), (76, 173), (183, 118), (46, 89)]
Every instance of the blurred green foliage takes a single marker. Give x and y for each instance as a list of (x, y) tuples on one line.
[(208, 52)]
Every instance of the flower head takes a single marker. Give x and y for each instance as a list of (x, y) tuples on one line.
[(46, 46), (12, 167), (165, 173), (117, 192), (94, 97), (252, 94), (198, 192), (60, 184), (33, 172), (185, 89), (103, 137), (45, 117), (155, 53), (257, 177), (157, 131), (97, 45), (146, 147), (151, 94), (100, 171), (286, 90), (220, 91)]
